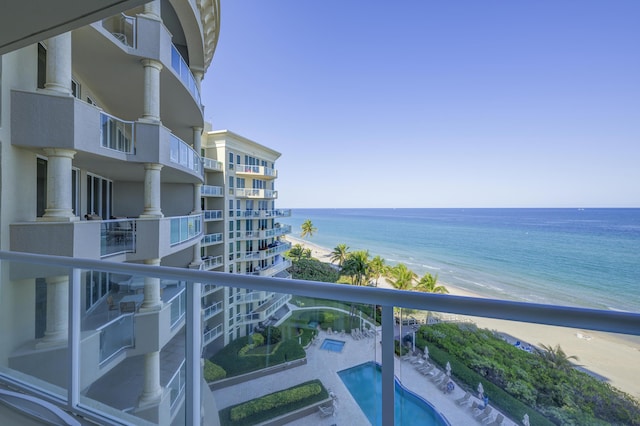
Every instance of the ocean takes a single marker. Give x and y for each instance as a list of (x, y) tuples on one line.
[(573, 257)]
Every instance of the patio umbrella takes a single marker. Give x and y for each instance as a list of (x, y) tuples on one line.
[(426, 352), (448, 369), (525, 420), (480, 391)]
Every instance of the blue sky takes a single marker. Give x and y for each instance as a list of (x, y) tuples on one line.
[(419, 103)]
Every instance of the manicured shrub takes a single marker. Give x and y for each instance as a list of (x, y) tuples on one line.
[(258, 339), (271, 334), (213, 372)]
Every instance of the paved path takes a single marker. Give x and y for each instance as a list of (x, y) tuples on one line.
[(324, 365)]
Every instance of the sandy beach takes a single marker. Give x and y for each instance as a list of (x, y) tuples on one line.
[(614, 358)]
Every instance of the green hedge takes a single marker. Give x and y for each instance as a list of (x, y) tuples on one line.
[(213, 372), (273, 405)]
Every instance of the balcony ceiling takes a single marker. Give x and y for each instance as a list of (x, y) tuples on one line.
[(26, 22)]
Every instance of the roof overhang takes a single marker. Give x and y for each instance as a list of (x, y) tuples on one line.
[(26, 22)]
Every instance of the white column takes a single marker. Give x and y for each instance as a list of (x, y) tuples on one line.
[(57, 328), (197, 258), (59, 208), (151, 391), (151, 111), (152, 190), (197, 139), (152, 10), (151, 301), (58, 78), (198, 74)]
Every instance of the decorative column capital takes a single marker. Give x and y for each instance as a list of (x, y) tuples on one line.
[(151, 63)]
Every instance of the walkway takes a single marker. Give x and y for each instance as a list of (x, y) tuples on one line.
[(324, 365)]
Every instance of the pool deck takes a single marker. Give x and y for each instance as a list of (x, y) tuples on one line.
[(324, 365)]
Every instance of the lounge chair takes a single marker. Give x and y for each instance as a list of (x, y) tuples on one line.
[(485, 414), (466, 399), (437, 377), (326, 411), (425, 369), (498, 421), (329, 330), (474, 406)]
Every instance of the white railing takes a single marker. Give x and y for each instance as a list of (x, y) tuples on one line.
[(272, 270), (255, 193), (178, 305), (256, 170), (181, 153), (210, 335), (176, 385), (263, 213), (211, 310), (181, 68), (116, 336), (116, 134), (122, 27), (212, 215), (211, 164), (211, 263), (24, 264), (210, 288), (210, 239), (185, 228), (211, 191)]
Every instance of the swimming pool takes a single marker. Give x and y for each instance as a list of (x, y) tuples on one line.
[(332, 345), (364, 381)]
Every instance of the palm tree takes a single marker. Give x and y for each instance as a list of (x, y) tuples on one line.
[(401, 277), (556, 357), (378, 268), (356, 265), (339, 254), (308, 229), (429, 284), (296, 252), (306, 253)]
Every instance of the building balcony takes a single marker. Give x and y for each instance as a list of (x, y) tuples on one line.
[(109, 393), (271, 270), (116, 240), (212, 215), (255, 193), (65, 122), (256, 171), (211, 310), (211, 262), (208, 288), (211, 239), (263, 234), (211, 191), (262, 214), (212, 165), (122, 28)]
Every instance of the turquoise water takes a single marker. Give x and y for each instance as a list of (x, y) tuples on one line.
[(332, 345), (573, 257), (364, 382)]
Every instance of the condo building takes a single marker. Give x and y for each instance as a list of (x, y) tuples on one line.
[(104, 156)]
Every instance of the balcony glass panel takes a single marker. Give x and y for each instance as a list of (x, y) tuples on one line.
[(116, 134), (210, 239), (115, 336), (178, 307), (181, 153), (117, 237), (212, 164), (212, 214), (362, 354), (184, 228), (211, 191), (184, 73)]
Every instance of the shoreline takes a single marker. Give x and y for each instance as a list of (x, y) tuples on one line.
[(610, 357)]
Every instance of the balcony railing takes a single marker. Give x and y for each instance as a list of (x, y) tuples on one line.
[(211, 262), (178, 307), (117, 236), (25, 370), (211, 164), (271, 270), (211, 334), (116, 336), (181, 153), (122, 27), (211, 191), (212, 215), (261, 214), (256, 170), (209, 288), (185, 228), (278, 231), (116, 134), (210, 239), (176, 385), (181, 68), (255, 193), (211, 310)]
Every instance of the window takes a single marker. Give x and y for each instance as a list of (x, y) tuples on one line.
[(41, 187), (99, 196), (75, 89), (249, 204), (91, 101), (231, 161), (96, 286), (238, 159), (240, 182), (42, 66), (75, 187), (230, 181)]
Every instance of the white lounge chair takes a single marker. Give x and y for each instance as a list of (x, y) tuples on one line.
[(326, 411), (466, 399), (498, 421), (484, 414)]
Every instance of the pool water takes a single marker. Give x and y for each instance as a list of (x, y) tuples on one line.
[(332, 345), (364, 381)]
